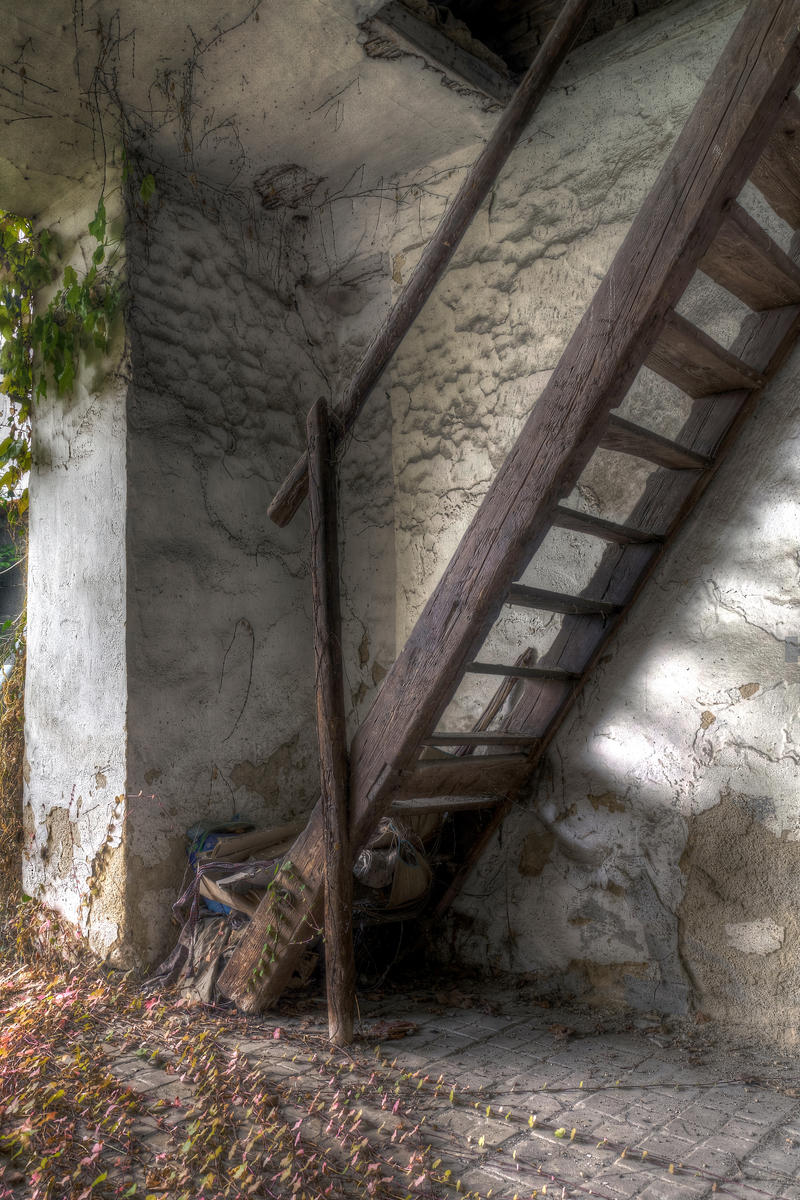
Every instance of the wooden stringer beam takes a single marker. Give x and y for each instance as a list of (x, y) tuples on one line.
[(631, 321)]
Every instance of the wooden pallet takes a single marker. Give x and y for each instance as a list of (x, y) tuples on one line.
[(746, 125)]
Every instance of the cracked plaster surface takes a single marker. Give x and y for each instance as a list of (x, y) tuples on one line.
[(695, 696)]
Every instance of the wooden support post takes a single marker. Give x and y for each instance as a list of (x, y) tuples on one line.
[(442, 246), (331, 729)]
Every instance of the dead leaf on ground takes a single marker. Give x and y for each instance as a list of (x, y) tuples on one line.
[(561, 1031)]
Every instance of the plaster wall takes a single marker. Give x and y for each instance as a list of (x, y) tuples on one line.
[(232, 338), (170, 651), (656, 863), (76, 687)]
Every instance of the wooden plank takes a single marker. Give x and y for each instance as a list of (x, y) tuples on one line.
[(777, 172), (745, 260), (557, 602), (514, 672), (710, 430), (708, 165), (475, 775), (767, 341), (445, 241), (407, 27), (497, 700), (627, 438), (509, 737), (609, 531), (340, 967), (695, 363), (418, 807)]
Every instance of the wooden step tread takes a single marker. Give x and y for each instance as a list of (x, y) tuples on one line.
[(486, 668), (745, 260), (471, 775), (697, 364), (500, 738), (627, 438), (582, 606), (777, 172), (419, 807), (623, 535)]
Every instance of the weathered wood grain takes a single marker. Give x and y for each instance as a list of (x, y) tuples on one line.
[(667, 501), (557, 602), (515, 672), (444, 242), (473, 775), (777, 173), (627, 438), (340, 970), (695, 363), (745, 260), (419, 807), (609, 531), (509, 737)]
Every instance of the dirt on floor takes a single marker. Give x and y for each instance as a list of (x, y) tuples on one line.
[(448, 1091)]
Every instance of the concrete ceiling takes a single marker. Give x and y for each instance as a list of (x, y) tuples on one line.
[(228, 91)]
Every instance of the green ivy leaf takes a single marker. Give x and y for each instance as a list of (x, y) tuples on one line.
[(147, 189), (97, 226), (99, 253)]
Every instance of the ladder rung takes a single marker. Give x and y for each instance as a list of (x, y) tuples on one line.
[(578, 606), (482, 739), (543, 673), (442, 804), (697, 364), (627, 438), (624, 535), (472, 775), (777, 172), (744, 259)]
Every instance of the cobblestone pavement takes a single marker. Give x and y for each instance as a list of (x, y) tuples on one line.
[(517, 1099)]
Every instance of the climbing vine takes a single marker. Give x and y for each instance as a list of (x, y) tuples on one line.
[(42, 348)]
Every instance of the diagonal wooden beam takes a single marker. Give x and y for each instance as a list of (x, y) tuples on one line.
[(707, 168), (443, 244)]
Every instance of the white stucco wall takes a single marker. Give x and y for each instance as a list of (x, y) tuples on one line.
[(76, 687)]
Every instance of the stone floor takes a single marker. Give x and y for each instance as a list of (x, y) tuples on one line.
[(517, 1099)]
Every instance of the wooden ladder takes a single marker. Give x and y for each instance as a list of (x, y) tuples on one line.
[(746, 125)]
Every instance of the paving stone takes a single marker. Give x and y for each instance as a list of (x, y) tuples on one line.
[(622, 1180)]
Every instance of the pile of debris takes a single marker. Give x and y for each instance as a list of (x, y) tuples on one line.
[(231, 866)]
